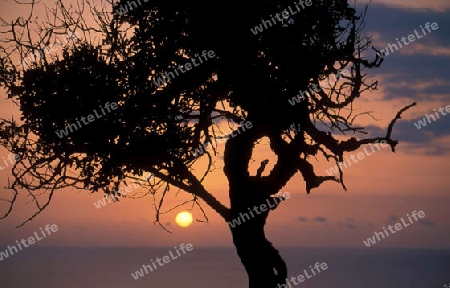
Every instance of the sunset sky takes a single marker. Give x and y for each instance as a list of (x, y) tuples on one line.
[(382, 188)]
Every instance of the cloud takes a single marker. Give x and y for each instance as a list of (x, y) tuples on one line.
[(435, 5), (352, 223), (403, 71), (435, 89), (318, 219), (349, 225), (392, 219), (415, 73), (426, 223), (431, 139), (398, 22)]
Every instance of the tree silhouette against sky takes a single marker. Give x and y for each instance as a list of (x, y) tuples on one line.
[(155, 129)]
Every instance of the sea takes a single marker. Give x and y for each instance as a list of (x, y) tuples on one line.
[(72, 267)]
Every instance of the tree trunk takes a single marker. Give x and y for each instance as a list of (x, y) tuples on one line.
[(263, 263)]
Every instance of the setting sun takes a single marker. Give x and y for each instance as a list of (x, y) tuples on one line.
[(184, 219)]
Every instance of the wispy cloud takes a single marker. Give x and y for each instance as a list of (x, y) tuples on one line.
[(435, 5), (352, 223), (318, 219), (426, 223)]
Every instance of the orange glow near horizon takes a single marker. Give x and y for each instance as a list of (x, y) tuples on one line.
[(381, 186)]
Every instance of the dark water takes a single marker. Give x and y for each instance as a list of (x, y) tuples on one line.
[(220, 268)]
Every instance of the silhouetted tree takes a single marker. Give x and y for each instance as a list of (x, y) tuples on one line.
[(154, 128)]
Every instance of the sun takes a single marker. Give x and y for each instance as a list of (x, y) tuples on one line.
[(184, 219)]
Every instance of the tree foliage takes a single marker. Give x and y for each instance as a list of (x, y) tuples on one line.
[(155, 129)]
